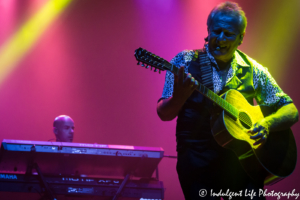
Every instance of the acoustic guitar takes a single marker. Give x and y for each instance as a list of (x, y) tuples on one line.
[(270, 162)]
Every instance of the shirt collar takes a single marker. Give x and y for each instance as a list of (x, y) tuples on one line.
[(237, 59)]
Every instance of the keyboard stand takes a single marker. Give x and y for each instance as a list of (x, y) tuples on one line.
[(121, 187), (30, 166)]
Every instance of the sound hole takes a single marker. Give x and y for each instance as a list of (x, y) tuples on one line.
[(245, 120)]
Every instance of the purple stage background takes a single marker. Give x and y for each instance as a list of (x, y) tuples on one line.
[(83, 65)]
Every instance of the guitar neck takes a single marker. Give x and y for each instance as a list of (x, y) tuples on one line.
[(153, 60), (210, 95)]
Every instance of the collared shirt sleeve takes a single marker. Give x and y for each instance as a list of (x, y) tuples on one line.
[(267, 91), (181, 59)]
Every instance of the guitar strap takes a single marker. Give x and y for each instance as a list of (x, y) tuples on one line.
[(205, 68)]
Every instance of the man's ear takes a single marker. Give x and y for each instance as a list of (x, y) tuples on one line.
[(55, 130), (241, 38)]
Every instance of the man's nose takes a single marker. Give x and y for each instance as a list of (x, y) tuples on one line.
[(221, 37)]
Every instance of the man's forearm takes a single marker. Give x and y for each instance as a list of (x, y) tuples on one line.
[(168, 109), (283, 118)]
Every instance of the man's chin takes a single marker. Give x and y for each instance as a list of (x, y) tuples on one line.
[(221, 56), (68, 140), (218, 56)]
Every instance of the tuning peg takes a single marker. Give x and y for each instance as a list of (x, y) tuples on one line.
[(155, 70), (159, 71), (147, 67), (151, 68), (138, 63), (143, 65)]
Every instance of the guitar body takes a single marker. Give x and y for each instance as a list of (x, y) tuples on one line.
[(273, 161)]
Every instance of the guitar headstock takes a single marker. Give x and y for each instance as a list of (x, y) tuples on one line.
[(146, 59)]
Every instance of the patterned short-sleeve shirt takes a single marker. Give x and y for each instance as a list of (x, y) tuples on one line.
[(267, 91)]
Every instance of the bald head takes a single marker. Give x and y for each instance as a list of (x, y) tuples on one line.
[(63, 128)]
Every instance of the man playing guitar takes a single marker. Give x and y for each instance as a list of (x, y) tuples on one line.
[(202, 163)]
